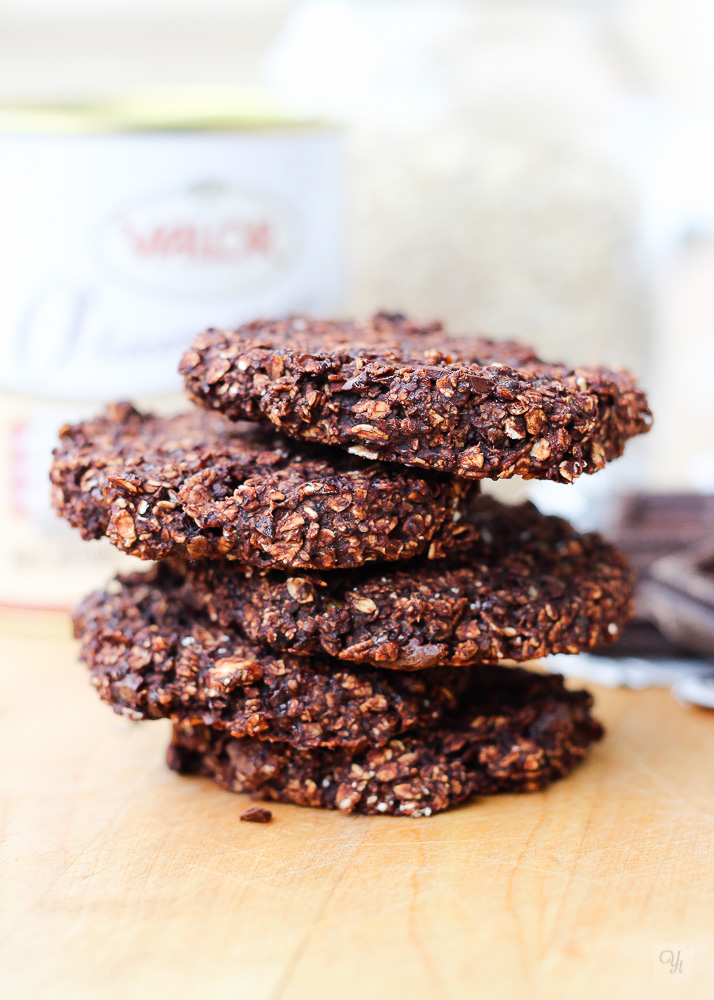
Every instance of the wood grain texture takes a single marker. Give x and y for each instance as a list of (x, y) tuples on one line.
[(120, 879)]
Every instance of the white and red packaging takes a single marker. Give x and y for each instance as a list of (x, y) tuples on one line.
[(123, 233)]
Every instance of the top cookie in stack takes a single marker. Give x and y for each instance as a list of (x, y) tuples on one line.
[(392, 390), (326, 621)]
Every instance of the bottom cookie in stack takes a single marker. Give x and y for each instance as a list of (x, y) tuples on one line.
[(514, 731)]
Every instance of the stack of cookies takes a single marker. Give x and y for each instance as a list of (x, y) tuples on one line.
[(333, 598)]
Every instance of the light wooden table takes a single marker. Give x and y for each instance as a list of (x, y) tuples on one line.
[(122, 880)]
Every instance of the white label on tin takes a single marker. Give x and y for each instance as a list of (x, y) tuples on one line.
[(208, 241), (117, 250)]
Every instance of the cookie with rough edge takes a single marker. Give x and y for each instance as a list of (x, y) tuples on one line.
[(387, 388), (151, 655), (517, 732), (199, 486), (524, 585)]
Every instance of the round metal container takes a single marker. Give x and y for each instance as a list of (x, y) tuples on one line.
[(126, 227)]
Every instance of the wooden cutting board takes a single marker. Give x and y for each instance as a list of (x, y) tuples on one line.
[(122, 880)]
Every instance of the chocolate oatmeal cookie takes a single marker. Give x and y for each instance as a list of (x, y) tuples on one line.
[(152, 655), (517, 732), (389, 389), (199, 486), (523, 585)]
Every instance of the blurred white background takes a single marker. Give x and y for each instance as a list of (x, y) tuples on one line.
[(604, 107), (85, 48), (526, 167), (541, 170)]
